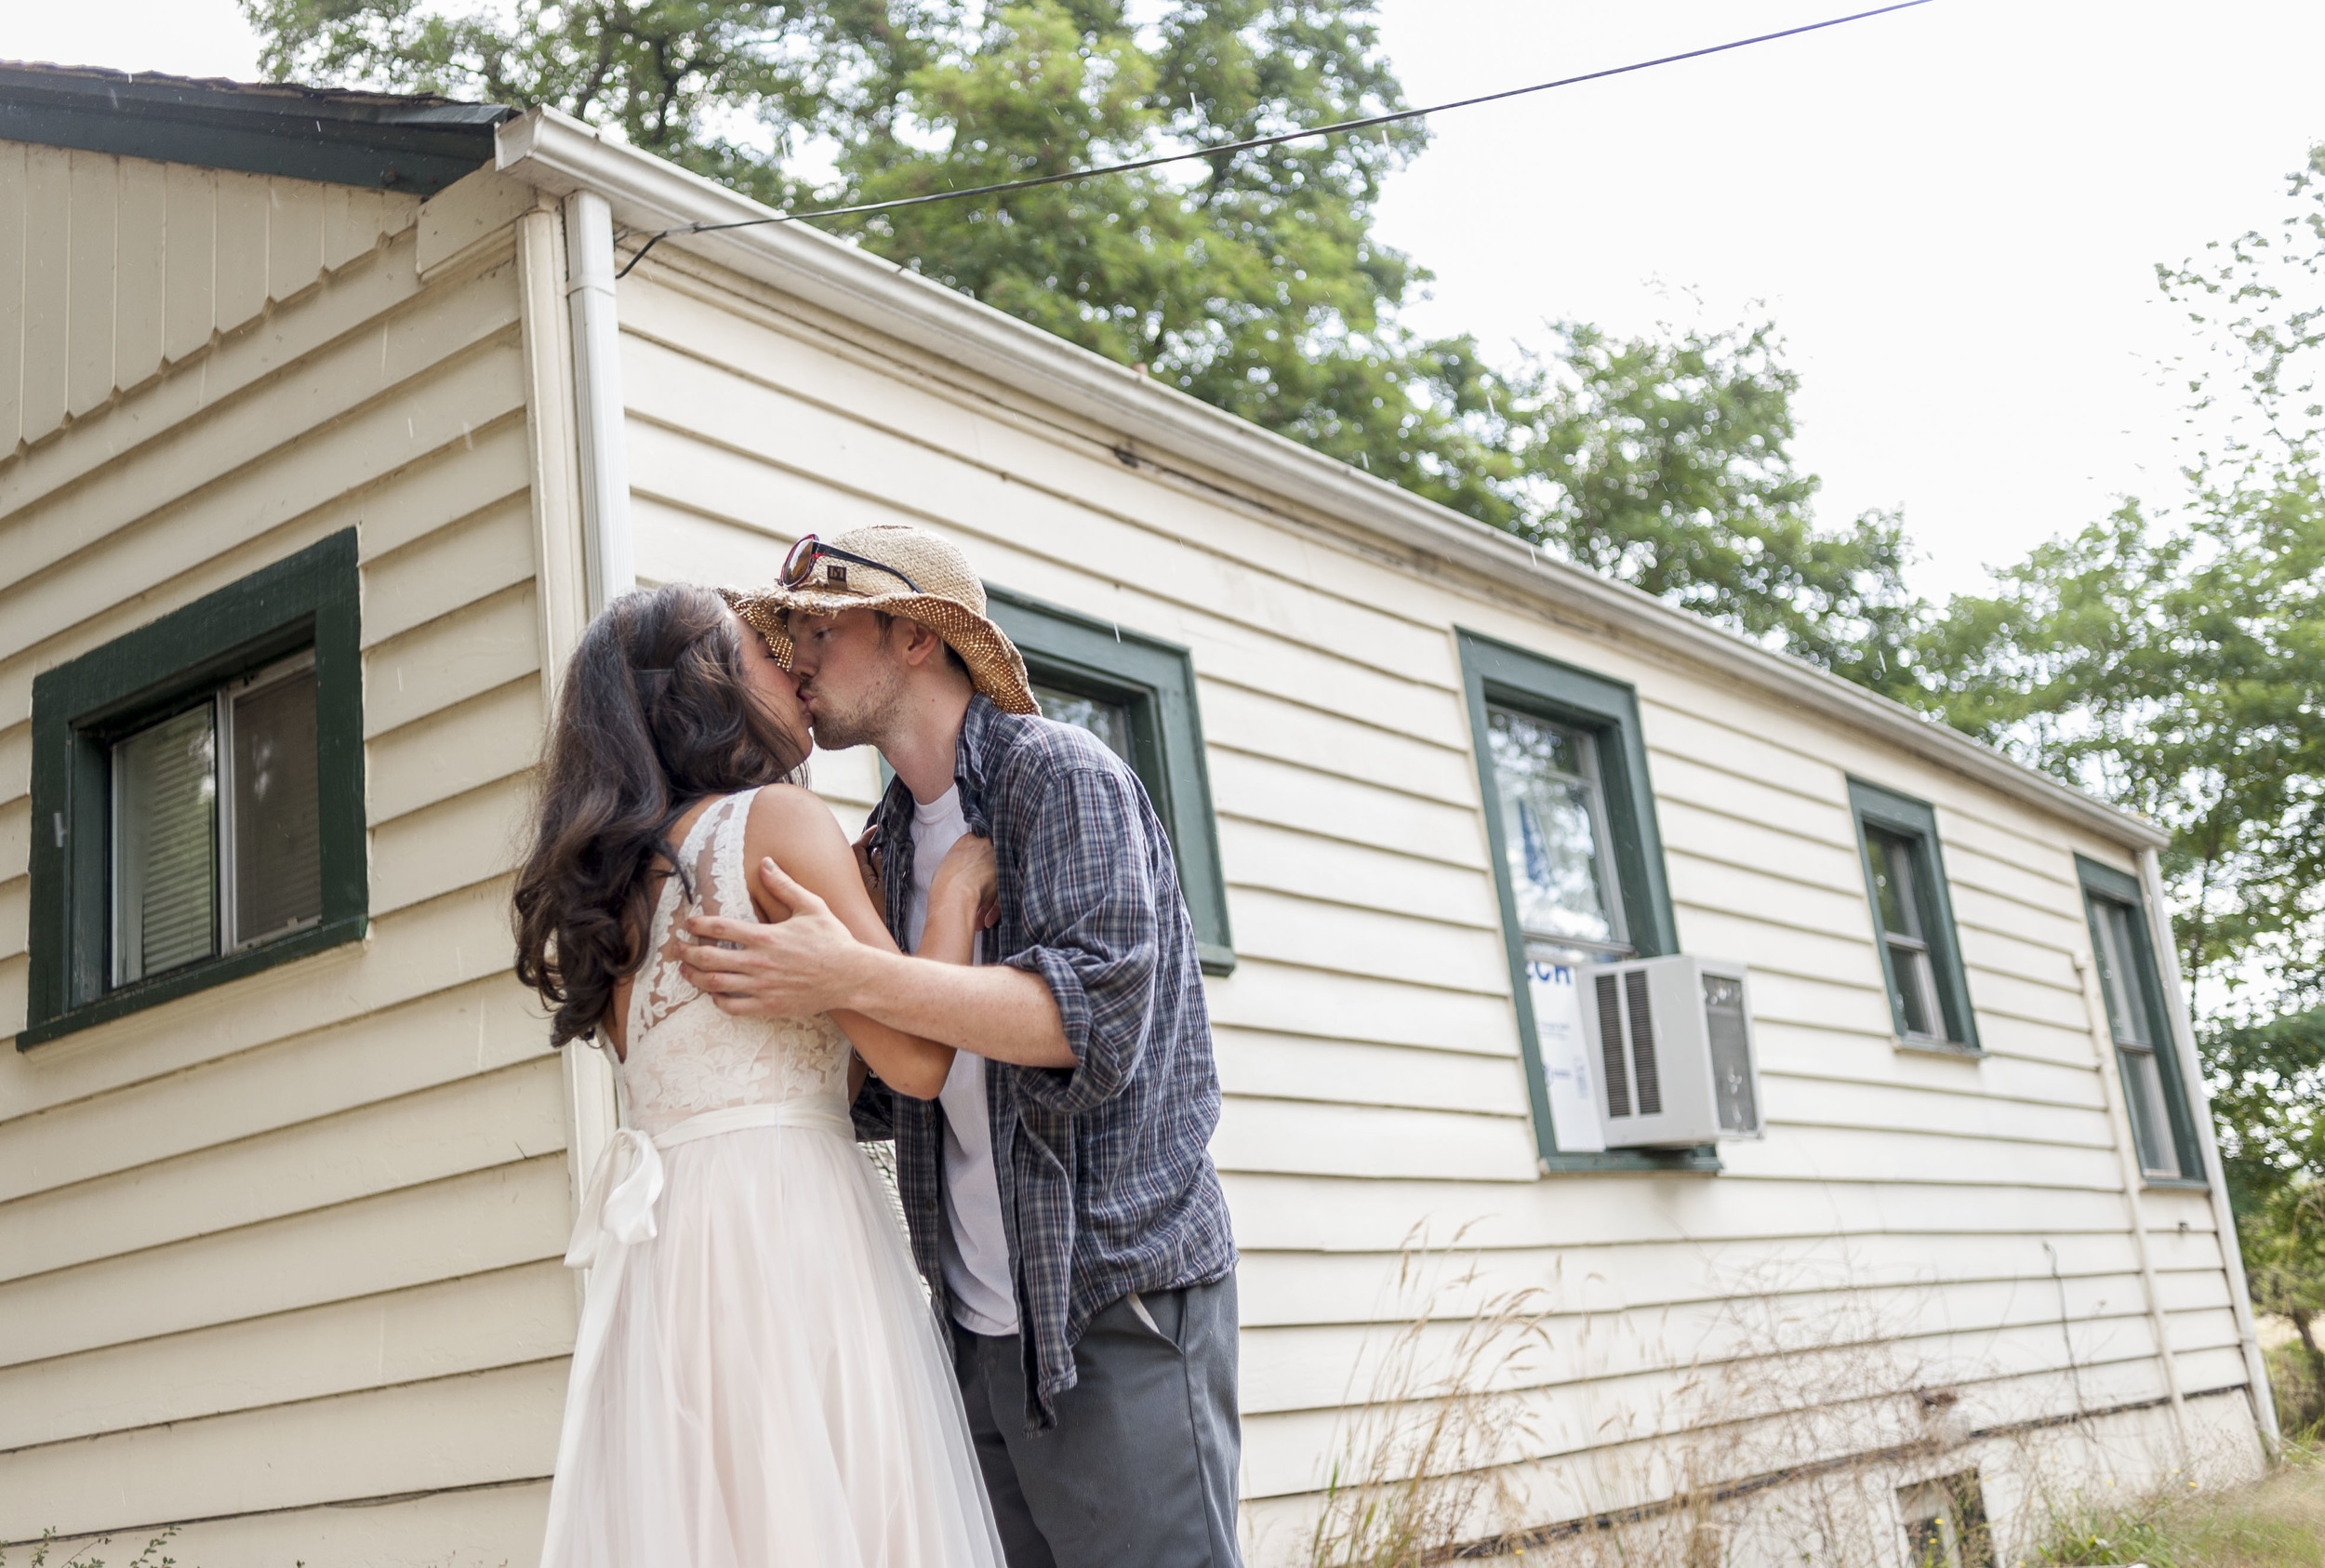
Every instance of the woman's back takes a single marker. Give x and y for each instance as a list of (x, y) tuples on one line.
[(681, 1056)]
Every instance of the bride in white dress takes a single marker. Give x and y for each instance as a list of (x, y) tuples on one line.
[(758, 1379)]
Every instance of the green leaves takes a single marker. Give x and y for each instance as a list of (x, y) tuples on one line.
[(1250, 280)]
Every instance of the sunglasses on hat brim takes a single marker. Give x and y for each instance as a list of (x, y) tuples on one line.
[(800, 564)]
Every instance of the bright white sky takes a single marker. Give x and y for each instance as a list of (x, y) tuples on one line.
[(1952, 213)]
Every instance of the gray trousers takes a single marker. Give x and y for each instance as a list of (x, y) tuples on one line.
[(1140, 1471)]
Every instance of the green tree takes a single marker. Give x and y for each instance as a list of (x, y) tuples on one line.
[(1252, 281), (2173, 661)]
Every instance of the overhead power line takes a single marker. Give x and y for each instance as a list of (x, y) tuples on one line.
[(1337, 129)]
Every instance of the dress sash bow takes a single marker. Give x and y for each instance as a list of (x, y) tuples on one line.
[(618, 1213)]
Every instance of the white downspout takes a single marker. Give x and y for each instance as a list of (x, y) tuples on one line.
[(608, 564), (2199, 1106)]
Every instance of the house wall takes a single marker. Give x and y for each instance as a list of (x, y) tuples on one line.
[(1922, 1220), (292, 1241)]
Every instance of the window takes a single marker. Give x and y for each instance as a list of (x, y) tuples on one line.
[(216, 824), (1579, 866), (200, 782), (2132, 992), (1945, 1523), (1913, 919), (1136, 693), (1554, 830)]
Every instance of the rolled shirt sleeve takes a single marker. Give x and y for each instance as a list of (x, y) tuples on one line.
[(1088, 883)]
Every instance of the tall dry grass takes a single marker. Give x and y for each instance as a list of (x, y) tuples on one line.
[(1792, 1417)]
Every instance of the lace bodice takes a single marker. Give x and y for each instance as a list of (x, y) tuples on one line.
[(685, 1055)]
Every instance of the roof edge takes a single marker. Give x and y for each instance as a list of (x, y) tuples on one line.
[(414, 144), (561, 155)]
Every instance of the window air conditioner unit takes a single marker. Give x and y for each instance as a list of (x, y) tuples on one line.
[(1673, 1064)]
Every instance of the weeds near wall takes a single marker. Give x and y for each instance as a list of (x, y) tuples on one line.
[(1800, 1420), (1423, 1460), (151, 1557)]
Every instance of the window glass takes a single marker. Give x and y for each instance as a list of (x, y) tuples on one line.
[(1108, 721), (1892, 879), (275, 817), (2131, 1021), (217, 825), (1553, 824), (1898, 903), (165, 846), (2120, 985)]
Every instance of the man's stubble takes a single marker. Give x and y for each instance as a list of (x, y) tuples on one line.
[(869, 721)]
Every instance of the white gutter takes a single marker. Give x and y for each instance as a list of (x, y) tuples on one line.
[(2199, 1106), (560, 154), (608, 566)]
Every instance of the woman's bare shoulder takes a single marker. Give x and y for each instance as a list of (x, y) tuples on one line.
[(792, 824)]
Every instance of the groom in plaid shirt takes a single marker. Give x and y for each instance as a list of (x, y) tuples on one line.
[(1062, 1203)]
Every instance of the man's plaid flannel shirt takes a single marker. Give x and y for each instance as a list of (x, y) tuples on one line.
[(1107, 1185)]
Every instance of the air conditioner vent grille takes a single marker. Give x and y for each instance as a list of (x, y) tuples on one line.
[(1611, 1048), (1643, 1043)]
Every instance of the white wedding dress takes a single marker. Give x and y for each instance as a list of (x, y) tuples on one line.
[(759, 1378)]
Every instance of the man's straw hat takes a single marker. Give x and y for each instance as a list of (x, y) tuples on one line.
[(898, 570)]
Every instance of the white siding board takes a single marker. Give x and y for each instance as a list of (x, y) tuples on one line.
[(141, 290), (1875, 1106), (93, 181), (469, 1324), (495, 1524), (392, 1052), (450, 845), (190, 197), (1262, 790), (1309, 1214), (1706, 785), (1710, 834), (244, 206), (1288, 999), (431, 948), (1306, 1137), (1377, 943), (1287, 859), (495, 1218), (463, 655), (47, 292), (12, 302), (293, 240), (1260, 1065), (454, 751), (437, 347), (310, 485), (470, 560), (1361, 746), (1998, 1078), (490, 1425), (454, 1129)]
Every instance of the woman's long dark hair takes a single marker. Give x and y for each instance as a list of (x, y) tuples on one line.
[(656, 713)]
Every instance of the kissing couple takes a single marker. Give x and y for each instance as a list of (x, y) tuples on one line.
[(1000, 977)]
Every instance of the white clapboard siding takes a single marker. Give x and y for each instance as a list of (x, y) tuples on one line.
[(495, 1524), (293, 1241), (1365, 1040), (159, 260), (389, 1442), (438, 1330)]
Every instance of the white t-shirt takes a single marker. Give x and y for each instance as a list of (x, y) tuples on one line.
[(975, 1247)]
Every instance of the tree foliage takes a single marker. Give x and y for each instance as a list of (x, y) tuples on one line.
[(1254, 284), (2173, 660)]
